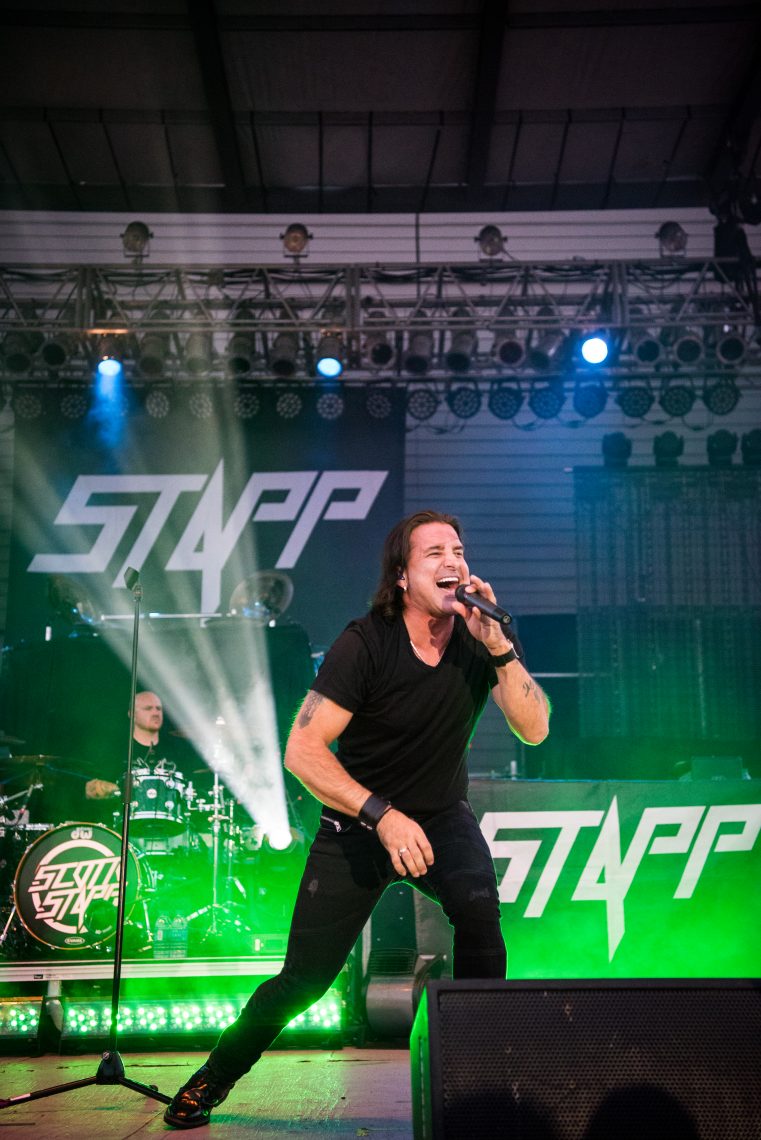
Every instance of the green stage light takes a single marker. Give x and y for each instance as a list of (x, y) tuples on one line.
[(189, 1018), (19, 1019)]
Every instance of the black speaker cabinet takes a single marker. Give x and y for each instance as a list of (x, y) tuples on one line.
[(588, 1060)]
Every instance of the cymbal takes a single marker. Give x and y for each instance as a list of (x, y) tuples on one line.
[(42, 760), (6, 739)]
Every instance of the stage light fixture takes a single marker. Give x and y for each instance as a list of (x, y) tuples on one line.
[(18, 350), (730, 346), (721, 396), (589, 398), (109, 366), (19, 1020), (461, 346), (295, 240), (240, 353), (378, 405), (188, 1017), (288, 405), (546, 343), (616, 449), (671, 238), (509, 349), (135, 240), (721, 446), (377, 347), (667, 447), (328, 359), (151, 354), (246, 403), (688, 346), (464, 400), (422, 402), (283, 353), (27, 404), (330, 405), (56, 350), (635, 400), (677, 398), (74, 402), (594, 348), (198, 353), (750, 446), (417, 359), (505, 399), (491, 241), (157, 403), (546, 398), (645, 346), (200, 404)]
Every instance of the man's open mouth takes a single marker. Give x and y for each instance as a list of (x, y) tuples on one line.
[(448, 583)]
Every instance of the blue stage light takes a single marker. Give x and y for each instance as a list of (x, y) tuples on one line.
[(329, 367), (328, 361), (594, 348), (109, 368)]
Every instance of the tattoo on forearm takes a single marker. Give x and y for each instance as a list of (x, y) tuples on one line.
[(531, 689), (311, 701)]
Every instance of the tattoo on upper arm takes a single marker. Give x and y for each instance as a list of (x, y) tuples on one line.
[(307, 711)]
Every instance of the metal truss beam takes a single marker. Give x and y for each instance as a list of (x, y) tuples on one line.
[(664, 300)]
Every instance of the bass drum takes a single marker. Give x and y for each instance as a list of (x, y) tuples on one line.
[(67, 882)]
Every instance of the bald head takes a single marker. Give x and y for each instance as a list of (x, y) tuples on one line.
[(149, 717)]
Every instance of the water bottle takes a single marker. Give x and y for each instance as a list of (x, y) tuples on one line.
[(161, 941), (179, 937)]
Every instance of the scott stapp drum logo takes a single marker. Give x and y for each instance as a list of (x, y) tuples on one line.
[(62, 875)]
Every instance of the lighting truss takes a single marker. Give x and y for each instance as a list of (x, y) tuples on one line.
[(194, 313)]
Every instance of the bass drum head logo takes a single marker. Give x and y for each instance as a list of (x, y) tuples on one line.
[(67, 884)]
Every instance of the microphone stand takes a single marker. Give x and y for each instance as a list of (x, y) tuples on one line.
[(111, 1067)]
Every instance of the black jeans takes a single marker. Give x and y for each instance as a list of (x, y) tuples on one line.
[(345, 875)]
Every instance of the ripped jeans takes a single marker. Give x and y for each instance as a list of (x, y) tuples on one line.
[(345, 875)]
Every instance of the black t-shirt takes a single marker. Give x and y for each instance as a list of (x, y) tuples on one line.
[(408, 736)]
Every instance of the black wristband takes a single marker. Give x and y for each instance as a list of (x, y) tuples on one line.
[(372, 812), (504, 658)]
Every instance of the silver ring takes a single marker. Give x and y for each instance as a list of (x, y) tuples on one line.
[(402, 850)]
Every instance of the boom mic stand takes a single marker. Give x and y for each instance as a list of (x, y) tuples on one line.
[(111, 1067)]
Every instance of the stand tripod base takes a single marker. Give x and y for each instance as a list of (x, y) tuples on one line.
[(110, 1072)]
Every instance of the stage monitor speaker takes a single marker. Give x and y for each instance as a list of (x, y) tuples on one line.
[(587, 1060)]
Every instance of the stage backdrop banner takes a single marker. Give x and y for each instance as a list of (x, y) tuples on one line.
[(626, 879), (308, 484)]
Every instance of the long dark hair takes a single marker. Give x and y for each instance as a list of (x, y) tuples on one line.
[(387, 599)]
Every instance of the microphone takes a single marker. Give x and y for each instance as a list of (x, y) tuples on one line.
[(490, 609)]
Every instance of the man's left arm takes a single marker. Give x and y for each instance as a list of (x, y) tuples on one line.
[(523, 702)]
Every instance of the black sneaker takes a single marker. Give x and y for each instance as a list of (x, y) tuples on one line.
[(193, 1103)]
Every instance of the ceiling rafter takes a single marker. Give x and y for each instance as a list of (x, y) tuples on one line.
[(203, 24)]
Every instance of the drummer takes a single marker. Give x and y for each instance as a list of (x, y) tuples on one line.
[(148, 719)]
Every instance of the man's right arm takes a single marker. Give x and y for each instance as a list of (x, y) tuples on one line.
[(318, 724)]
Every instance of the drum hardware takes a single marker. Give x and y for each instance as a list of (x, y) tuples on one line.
[(221, 817)]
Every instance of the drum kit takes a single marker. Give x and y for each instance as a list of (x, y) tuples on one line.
[(59, 882)]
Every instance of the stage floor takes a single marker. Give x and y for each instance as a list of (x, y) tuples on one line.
[(342, 1093)]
